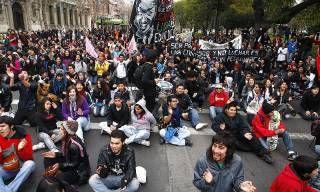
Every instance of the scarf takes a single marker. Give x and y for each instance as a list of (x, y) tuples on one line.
[(73, 106), (274, 125)]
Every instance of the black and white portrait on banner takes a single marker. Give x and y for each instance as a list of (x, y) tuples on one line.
[(142, 20)]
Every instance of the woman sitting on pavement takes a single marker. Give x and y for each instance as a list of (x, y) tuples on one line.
[(220, 169), (101, 97), (71, 165), (142, 121), (281, 100), (47, 118), (75, 108)]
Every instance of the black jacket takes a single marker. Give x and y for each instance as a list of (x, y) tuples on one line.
[(121, 117), (5, 97), (27, 98), (310, 102), (46, 122), (184, 101), (127, 163), (76, 159), (149, 84), (236, 126)]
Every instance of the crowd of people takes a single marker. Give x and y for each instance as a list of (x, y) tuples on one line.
[(61, 87)]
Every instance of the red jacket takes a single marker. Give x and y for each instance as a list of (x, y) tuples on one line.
[(218, 99), (26, 152), (288, 181), (260, 125)]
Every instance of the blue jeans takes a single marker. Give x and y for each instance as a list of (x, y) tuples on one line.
[(100, 110), (93, 79), (111, 183), (286, 140), (214, 111), (317, 149), (19, 176), (134, 134), (194, 117), (83, 123)]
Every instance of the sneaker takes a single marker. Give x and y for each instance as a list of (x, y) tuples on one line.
[(286, 116), (38, 146), (267, 158), (55, 150), (145, 143), (201, 126), (188, 142), (292, 155)]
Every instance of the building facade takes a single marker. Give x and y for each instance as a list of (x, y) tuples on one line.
[(45, 14)]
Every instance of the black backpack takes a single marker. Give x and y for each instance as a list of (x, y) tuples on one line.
[(315, 128), (137, 76)]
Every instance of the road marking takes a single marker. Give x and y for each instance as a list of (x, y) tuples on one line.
[(209, 131)]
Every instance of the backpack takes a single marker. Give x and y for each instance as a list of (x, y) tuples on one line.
[(315, 128), (137, 76)]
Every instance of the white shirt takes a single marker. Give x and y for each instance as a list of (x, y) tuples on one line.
[(282, 53)]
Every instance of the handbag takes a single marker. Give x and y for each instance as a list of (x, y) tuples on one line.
[(11, 160), (170, 132)]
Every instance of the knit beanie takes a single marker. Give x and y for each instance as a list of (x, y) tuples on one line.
[(267, 107), (71, 127)]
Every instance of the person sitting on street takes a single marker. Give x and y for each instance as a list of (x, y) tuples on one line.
[(295, 176), (5, 98), (263, 129), (311, 104), (47, 117), (16, 157), (101, 98), (142, 122), (220, 169), (174, 133), (186, 105), (116, 166), (124, 93), (75, 108), (71, 165), (117, 115), (230, 121), (281, 100), (218, 98), (27, 97)]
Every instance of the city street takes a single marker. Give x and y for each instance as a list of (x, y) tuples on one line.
[(170, 168)]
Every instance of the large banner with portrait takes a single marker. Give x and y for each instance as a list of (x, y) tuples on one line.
[(142, 22)]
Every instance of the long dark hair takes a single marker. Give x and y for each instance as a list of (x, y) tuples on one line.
[(79, 98), (42, 104), (225, 139), (104, 86)]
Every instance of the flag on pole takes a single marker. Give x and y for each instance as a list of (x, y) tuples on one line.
[(90, 49), (132, 47)]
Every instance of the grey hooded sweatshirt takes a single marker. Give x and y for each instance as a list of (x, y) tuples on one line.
[(225, 179), (147, 121)]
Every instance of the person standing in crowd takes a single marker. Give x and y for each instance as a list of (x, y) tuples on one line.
[(230, 121), (27, 97), (311, 104), (295, 176), (149, 82), (142, 122), (174, 132), (116, 167), (262, 130), (220, 169), (218, 98), (5, 98), (16, 157), (121, 69), (71, 165), (75, 108)]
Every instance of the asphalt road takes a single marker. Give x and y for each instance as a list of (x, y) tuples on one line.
[(170, 168)]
